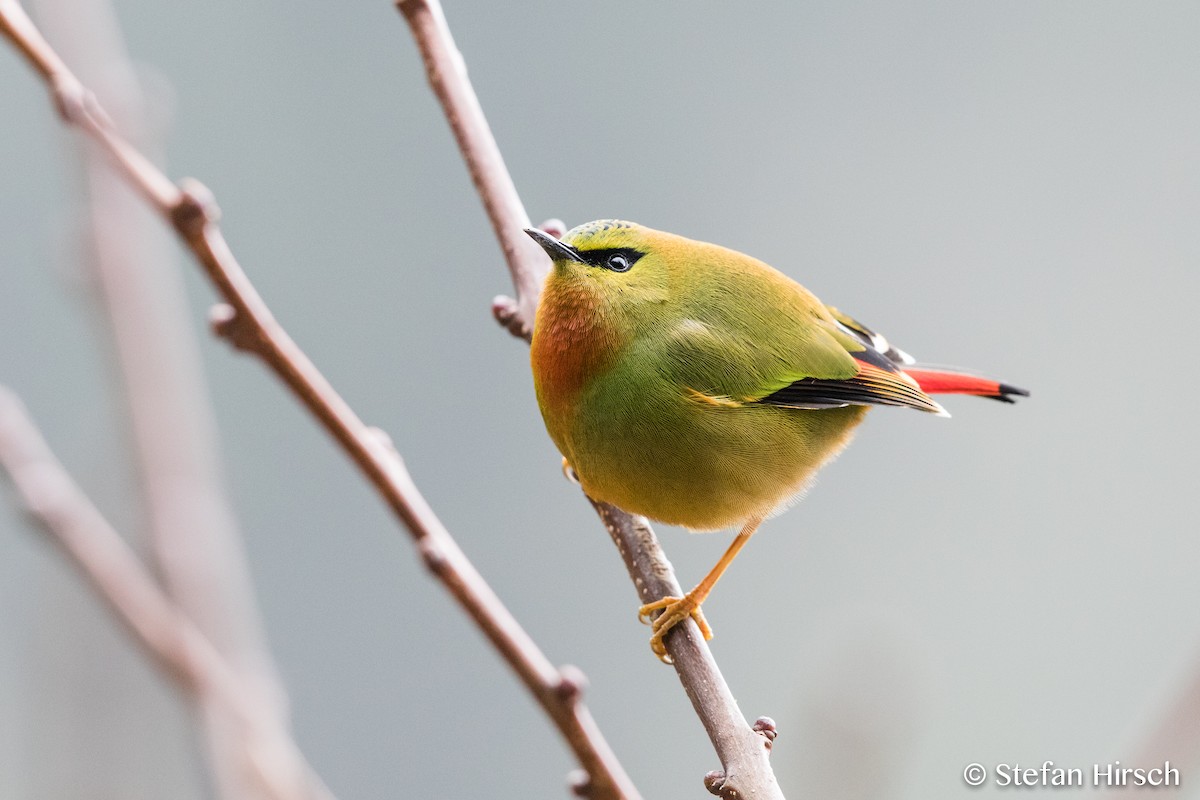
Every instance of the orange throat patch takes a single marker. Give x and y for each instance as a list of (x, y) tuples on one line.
[(572, 344)]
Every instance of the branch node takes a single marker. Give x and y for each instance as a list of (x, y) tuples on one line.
[(70, 98), (227, 323), (384, 439), (507, 312), (433, 555), (714, 781), (571, 683), (580, 783), (196, 208), (554, 226), (766, 727)]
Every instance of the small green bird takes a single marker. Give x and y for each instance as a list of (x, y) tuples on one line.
[(700, 387)]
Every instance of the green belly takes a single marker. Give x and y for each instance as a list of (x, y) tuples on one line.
[(660, 452)]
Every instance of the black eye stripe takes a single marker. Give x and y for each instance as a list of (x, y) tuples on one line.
[(600, 257)]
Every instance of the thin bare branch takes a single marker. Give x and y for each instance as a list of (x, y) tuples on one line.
[(249, 325), (447, 73), (171, 640), (742, 750), (78, 106), (195, 542)]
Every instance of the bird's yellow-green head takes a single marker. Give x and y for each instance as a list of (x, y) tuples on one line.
[(611, 282), (636, 278), (615, 264)]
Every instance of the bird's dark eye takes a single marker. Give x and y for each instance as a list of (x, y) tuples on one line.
[(613, 259), (618, 263)]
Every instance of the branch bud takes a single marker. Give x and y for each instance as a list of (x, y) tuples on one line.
[(384, 439), (228, 324), (70, 98), (766, 727), (196, 208), (554, 226), (571, 683), (715, 782), (580, 783), (432, 554)]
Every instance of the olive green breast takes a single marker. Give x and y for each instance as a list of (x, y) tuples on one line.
[(650, 447)]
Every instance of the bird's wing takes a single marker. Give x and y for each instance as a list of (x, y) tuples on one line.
[(789, 358), (870, 339), (931, 379)]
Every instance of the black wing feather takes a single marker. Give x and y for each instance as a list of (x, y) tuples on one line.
[(874, 386)]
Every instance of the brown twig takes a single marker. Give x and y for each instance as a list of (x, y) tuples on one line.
[(195, 543), (249, 325), (270, 758), (742, 750), (447, 73)]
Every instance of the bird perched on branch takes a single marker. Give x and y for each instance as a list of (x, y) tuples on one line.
[(700, 387)]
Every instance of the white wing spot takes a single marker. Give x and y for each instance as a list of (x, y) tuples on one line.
[(692, 327)]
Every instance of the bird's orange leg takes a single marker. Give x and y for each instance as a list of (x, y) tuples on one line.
[(675, 610)]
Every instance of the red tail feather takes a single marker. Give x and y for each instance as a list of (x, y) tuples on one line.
[(937, 382)]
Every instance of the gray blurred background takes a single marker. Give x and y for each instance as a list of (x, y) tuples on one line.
[(1006, 186)]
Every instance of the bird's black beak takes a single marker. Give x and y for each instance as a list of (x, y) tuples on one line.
[(553, 247)]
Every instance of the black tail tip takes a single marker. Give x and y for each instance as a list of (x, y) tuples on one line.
[(1009, 393), (1008, 388)]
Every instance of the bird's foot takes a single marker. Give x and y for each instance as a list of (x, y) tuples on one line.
[(674, 610)]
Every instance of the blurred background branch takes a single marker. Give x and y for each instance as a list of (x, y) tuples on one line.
[(249, 325), (267, 761), (194, 541)]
